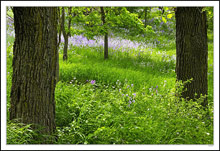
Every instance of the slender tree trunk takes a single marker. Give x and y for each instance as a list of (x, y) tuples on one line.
[(34, 67), (106, 46), (66, 34), (58, 45), (106, 34), (60, 26), (192, 51), (65, 57)]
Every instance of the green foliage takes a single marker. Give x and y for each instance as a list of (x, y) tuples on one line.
[(137, 67), (103, 114), (18, 133), (100, 113), (209, 13), (134, 99), (87, 20)]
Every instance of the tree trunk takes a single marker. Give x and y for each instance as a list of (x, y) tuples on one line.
[(106, 46), (106, 34), (58, 45), (66, 34), (192, 51), (34, 67), (59, 26), (65, 57)]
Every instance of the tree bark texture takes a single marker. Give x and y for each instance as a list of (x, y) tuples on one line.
[(34, 67), (106, 35), (192, 51)]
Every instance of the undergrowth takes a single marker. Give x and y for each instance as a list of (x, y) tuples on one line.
[(131, 98)]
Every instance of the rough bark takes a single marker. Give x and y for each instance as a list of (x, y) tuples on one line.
[(106, 34), (34, 67), (192, 51)]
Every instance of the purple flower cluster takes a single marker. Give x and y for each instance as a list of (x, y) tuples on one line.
[(131, 99), (92, 82), (10, 26), (113, 43)]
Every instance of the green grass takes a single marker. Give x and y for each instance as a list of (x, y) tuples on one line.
[(88, 64), (100, 113)]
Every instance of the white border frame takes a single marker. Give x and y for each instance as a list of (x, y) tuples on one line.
[(110, 3)]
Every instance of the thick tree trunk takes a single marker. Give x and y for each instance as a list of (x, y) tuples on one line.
[(34, 67), (192, 51), (106, 35)]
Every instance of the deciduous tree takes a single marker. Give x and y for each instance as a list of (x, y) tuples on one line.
[(34, 67), (192, 51), (106, 33), (66, 32)]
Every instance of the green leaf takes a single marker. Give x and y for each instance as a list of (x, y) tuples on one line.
[(164, 20), (169, 16)]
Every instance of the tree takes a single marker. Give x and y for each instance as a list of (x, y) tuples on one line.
[(192, 51), (66, 33), (106, 33), (59, 27), (89, 22), (34, 67)]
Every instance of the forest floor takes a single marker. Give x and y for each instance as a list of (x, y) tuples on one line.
[(130, 98)]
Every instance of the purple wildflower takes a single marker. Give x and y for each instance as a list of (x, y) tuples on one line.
[(92, 82)]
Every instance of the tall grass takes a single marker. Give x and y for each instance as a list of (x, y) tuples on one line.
[(131, 98)]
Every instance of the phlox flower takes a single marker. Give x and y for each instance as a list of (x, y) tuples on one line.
[(92, 82)]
